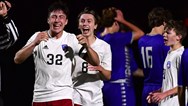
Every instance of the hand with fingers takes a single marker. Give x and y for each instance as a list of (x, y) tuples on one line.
[(4, 8), (82, 40), (42, 36)]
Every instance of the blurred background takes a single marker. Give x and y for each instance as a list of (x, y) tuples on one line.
[(31, 16)]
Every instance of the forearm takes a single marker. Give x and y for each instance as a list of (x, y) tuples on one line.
[(24, 53), (105, 74), (171, 92), (137, 32), (93, 57)]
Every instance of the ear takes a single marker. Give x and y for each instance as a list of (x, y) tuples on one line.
[(48, 21), (116, 23), (66, 22), (179, 37), (95, 27), (164, 23), (78, 26)]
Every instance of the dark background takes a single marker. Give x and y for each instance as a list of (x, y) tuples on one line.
[(31, 16)]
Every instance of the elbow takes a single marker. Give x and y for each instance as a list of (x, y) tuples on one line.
[(138, 35), (108, 76), (142, 33), (17, 60)]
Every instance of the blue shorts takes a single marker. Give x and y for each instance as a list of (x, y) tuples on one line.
[(118, 94)]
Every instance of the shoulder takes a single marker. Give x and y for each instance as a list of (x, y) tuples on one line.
[(101, 41), (102, 44), (69, 34)]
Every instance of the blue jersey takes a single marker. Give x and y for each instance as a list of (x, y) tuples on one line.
[(153, 53), (120, 85), (183, 72), (120, 53), (133, 63)]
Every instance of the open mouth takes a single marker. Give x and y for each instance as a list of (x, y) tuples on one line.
[(85, 31), (56, 26), (165, 40)]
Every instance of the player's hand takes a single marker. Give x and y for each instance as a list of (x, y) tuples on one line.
[(42, 36), (119, 17), (158, 97), (149, 97), (95, 68), (4, 7), (82, 40)]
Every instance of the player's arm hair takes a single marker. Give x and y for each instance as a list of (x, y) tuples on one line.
[(24, 53), (105, 74), (172, 92)]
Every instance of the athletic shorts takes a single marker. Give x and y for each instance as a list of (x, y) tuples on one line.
[(64, 102), (118, 94)]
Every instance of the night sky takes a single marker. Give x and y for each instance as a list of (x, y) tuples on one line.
[(31, 16)]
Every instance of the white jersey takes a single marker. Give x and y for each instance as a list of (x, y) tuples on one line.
[(53, 66), (170, 76), (88, 84)]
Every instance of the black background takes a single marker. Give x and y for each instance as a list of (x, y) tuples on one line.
[(31, 16)]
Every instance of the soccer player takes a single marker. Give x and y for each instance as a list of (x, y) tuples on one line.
[(8, 33), (119, 90), (53, 51), (88, 79), (175, 32), (153, 52), (183, 79)]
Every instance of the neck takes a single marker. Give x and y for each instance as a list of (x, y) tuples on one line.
[(107, 31), (91, 39), (176, 46), (54, 34), (157, 30)]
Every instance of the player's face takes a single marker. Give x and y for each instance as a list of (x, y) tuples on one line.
[(87, 24), (170, 37), (57, 21)]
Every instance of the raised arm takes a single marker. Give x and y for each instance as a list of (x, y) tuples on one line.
[(9, 33), (27, 50), (92, 56), (137, 32)]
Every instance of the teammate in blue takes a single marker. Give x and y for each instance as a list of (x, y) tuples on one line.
[(153, 52), (137, 71), (8, 34), (183, 79), (118, 91)]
